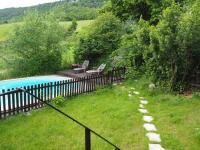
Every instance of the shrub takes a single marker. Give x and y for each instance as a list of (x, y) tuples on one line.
[(72, 28), (102, 38), (174, 47), (37, 44), (131, 50), (162, 57), (164, 43), (58, 101)]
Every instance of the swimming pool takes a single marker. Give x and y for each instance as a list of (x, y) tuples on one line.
[(29, 81), (19, 100)]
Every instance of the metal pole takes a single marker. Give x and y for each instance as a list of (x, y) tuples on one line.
[(87, 139)]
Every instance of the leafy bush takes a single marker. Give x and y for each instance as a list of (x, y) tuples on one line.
[(148, 10), (58, 101), (174, 47), (162, 56), (168, 51), (102, 38), (131, 50), (37, 43), (72, 28)]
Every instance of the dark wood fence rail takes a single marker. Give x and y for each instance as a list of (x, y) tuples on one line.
[(14, 101)]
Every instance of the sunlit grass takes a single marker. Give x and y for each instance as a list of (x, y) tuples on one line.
[(110, 112), (176, 117), (114, 115), (81, 24), (7, 29)]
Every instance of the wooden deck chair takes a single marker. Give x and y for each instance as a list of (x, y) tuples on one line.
[(98, 70), (83, 67)]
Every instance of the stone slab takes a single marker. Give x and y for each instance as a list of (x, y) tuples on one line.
[(136, 93), (150, 127), (144, 111), (129, 95), (153, 137), (144, 102), (141, 106), (155, 147), (147, 118)]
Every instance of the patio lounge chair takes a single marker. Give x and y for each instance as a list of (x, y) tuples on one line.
[(97, 71), (83, 67)]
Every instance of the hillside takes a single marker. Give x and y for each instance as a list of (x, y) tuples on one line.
[(65, 9), (7, 29)]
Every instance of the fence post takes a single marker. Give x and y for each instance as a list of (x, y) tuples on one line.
[(87, 139)]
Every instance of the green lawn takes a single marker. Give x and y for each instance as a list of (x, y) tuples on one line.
[(177, 117), (110, 112), (114, 115)]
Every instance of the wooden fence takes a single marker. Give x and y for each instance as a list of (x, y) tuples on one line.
[(14, 101)]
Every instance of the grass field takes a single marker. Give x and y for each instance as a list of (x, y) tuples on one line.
[(81, 24), (7, 29), (109, 112), (176, 117), (114, 115)]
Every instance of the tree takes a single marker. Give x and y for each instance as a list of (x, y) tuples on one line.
[(132, 48), (188, 40), (72, 28), (148, 10), (163, 57), (37, 44), (131, 9), (102, 39)]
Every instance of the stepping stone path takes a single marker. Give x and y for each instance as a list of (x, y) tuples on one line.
[(154, 138)]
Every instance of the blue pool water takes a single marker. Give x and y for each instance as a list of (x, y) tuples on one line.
[(21, 82)]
